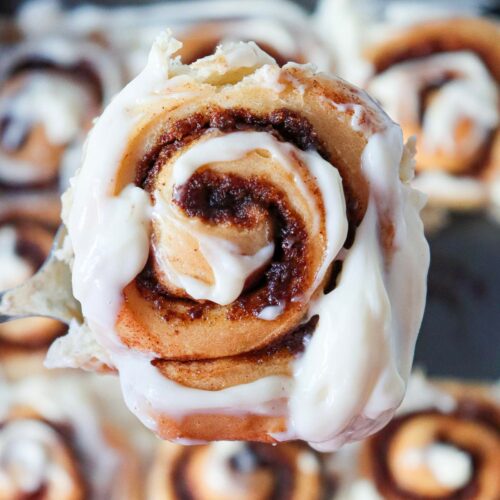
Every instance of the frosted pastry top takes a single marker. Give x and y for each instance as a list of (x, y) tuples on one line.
[(351, 377)]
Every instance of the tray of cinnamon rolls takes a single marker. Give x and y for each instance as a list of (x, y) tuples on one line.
[(250, 250)]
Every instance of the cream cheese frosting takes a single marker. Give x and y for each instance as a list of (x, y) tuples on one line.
[(352, 375)]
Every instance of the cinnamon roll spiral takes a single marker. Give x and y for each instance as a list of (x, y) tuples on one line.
[(444, 451), (236, 470), (54, 446), (27, 227), (237, 191), (50, 90), (440, 80)]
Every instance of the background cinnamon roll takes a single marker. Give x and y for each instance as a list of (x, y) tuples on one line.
[(250, 204), (444, 443), (281, 41), (237, 470), (440, 80), (435, 71), (280, 27), (27, 227), (53, 444), (50, 91)]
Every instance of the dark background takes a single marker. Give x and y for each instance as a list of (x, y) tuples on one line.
[(460, 334)]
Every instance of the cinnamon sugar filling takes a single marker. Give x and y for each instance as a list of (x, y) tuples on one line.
[(228, 198)]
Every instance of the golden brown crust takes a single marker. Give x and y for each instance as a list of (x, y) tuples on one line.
[(214, 427)]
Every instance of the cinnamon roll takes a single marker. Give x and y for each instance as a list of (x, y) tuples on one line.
[(27, 227), (50, 90), (433, 66), (440, 80), (444, 444), (262, 224), (236, 470), (53, 444)]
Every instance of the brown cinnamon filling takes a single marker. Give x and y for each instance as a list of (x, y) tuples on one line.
[(219, 198), (380, 444), (231, 198)]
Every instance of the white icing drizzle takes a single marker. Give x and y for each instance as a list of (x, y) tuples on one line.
[(14, 270), (450, 466), (343, 26), (269, 76), (352, 375), (56, 103), (350, 26), (270, 313), (230, 267), (471, 94), (144, 388)]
